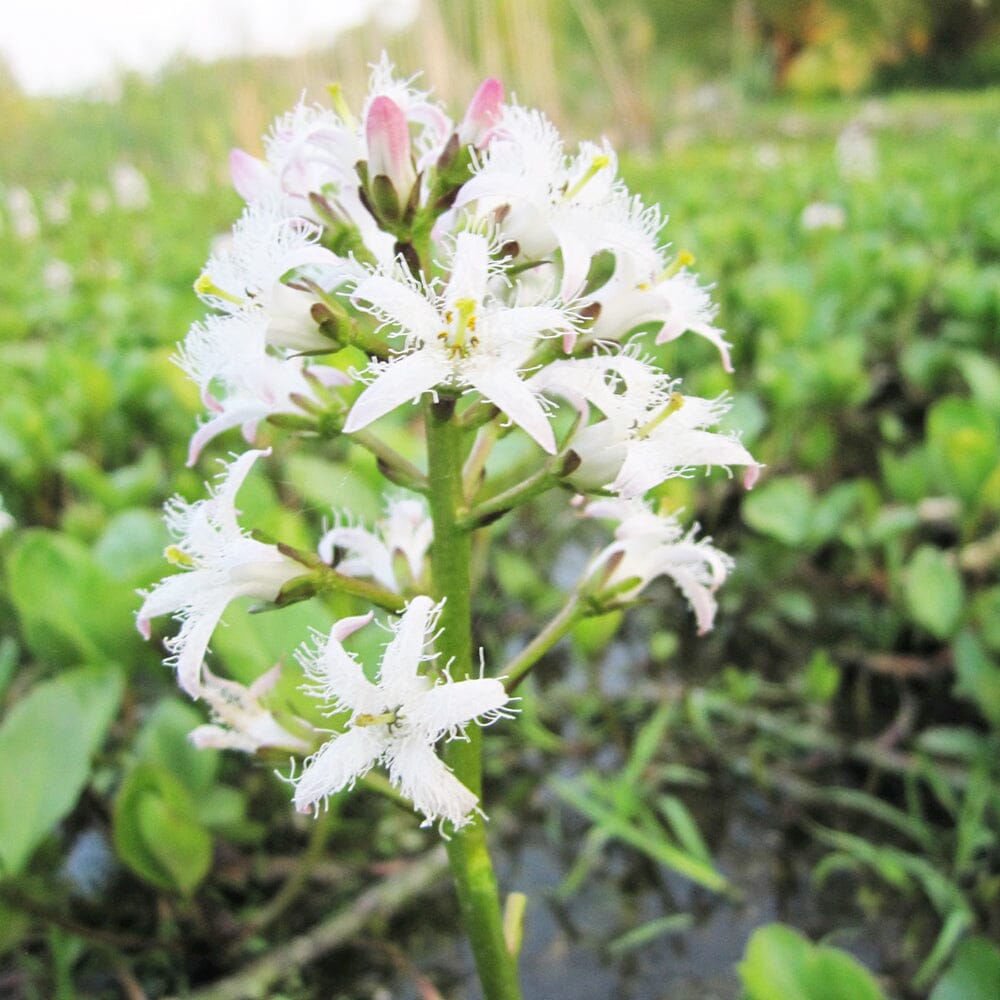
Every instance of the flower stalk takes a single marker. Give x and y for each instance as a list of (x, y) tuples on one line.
[(468, 856)]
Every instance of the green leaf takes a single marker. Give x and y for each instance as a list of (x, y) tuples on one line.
[(977, 677), (157, 832), (179, 844), (164, 743), (962, 445), (46, 742), (131, 547), (973, 975), (821, 678), (933, 591), (780, 964), (70, 608), (782, 509)]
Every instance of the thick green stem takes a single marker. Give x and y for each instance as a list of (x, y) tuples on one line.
[(451, 553)]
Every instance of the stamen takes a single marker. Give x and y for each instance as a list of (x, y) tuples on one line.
[(596, 166), (176, 556), (365, 719), (683, 259), (461, 338), (675, 402), (340, 105), (206, 286)]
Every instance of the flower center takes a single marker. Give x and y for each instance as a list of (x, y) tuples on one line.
[(460, 337), (366, 719)]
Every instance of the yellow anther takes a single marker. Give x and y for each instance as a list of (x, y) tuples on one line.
[(683, 259), (459, 339), (176, 556)]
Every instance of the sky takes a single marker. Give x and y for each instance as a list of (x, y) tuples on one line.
[(56, 47)]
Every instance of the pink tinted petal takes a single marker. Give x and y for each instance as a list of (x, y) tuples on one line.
[(252, 178), (388, 137), (482, 114)]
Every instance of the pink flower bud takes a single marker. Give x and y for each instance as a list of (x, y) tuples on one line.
[(388, 138), (482, 114)]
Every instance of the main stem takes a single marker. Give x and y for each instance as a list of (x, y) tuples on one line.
[(451, 553)]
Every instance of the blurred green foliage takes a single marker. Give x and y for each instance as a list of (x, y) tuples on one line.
[(853, 675)]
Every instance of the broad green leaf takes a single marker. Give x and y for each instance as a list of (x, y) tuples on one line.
[(157, 832), (933, 591), (46, 742), (780, 964), (164, 743), (131, 547), (973, 975), (782, 509), (977, 677), (963, 443), (70, 608), (179, 844)]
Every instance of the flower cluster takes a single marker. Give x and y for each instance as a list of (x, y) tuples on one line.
[(390, 258)]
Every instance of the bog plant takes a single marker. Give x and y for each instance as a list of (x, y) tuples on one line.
[(477, 296)]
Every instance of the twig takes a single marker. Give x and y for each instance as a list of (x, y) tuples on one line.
[(255, 982), (18, 899), (296, 881)]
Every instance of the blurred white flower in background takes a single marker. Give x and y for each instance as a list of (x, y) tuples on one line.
[(129, 185), (823, 215), (21, 209), (857, 157)]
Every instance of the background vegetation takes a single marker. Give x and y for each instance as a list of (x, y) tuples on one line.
[(827, 758)]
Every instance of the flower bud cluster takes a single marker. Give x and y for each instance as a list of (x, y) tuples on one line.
[(484, 265)]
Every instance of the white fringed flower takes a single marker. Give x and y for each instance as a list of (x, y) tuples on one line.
[(240, 382), (240, 720), (246, 273), (648, 545), (548, 201), (463, 337), (648, 432), (675, 300), (395, 720), (220, 562), (407, 531)]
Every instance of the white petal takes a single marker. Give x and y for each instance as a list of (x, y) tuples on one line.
[(339, 677), (337, 764), (400, 381), (447, 707), (506, 390), (427, 782), (400, 304), (368, 555), (405, 652), (190, 645), (470, 268)]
